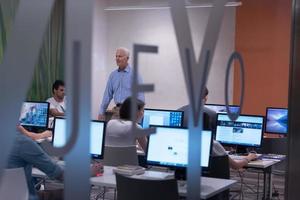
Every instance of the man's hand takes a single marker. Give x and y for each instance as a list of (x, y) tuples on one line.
[(96, 169)]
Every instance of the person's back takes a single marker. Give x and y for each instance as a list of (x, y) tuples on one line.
[(118, 133)]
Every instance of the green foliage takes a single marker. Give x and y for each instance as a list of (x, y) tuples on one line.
[(50, 63)]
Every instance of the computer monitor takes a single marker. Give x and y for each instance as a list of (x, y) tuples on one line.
[(276, 120), (34, 114), (97, 137), (246, 131), (219, 108), (172, 118), (169, 147)]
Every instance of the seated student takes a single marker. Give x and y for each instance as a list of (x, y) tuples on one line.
[(27, 153), (34, 136), (217, 148), (118, 131), (58, 100)]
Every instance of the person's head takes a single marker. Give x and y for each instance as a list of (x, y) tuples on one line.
[(125, 110), (122, 57), (205, 95), (58, 89)]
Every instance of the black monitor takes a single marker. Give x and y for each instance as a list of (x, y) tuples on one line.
[(220, 108), (246, 131), (97, 138), (276, 120), (161, 117), (34, 115), (169, 147)]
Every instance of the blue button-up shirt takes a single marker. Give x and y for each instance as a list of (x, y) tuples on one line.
[(119, 87), (26, 153)]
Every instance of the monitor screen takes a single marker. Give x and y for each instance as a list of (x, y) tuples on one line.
[(97, 137), (219, 108), (277, 120), (247, 130), (34, 114), (160, 117), (169, 147)]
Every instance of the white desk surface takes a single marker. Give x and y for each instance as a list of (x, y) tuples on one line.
[(260, 163), (209, 186)]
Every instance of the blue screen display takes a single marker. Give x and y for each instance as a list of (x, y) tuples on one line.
[(247, 130), (34, 114), (277, 120), (162, 117)]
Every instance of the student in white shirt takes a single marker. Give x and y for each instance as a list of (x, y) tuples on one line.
[(118, 131), (58, 100)]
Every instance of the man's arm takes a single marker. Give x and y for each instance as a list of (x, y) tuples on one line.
[(107, 96), (141, 95), (55, 113), (237, 164), (34, 136), (32, 153)]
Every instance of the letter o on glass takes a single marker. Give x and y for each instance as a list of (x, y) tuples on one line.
[(235, 55)]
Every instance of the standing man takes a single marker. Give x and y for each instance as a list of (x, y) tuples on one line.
[(58, 101), (118, 85)]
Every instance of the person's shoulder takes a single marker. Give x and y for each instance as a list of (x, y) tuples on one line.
[(209, 111), (184, 108), (50, 99)]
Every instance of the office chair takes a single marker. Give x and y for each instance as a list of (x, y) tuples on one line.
[(14, 180), (136, 189), (218, 167), (115, 156)]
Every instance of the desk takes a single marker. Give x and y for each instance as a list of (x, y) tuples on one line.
[(209, 186), (264, 165)]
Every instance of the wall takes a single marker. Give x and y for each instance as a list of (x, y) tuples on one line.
[(155, 27), (99, 45), (263, 39)]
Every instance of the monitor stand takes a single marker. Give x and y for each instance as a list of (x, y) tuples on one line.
[(241, 150)]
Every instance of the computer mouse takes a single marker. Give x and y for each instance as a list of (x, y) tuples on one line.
[(253, 152)]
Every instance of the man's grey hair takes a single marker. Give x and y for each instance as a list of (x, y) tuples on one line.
[(124, 49)]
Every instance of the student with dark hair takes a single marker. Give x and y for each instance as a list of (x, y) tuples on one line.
[(118, 131), (217, 149), (58, 100)]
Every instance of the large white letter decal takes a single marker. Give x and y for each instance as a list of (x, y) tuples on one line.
[(196, 74)]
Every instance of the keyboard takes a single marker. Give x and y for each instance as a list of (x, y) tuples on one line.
[(240, 157), (273, 156)]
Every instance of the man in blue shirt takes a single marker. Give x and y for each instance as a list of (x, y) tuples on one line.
[(26, 153), (118, 86)]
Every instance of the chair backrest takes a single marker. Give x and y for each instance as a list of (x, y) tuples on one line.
[(136, 189), (218, 167), (13, 185), (114, 155)]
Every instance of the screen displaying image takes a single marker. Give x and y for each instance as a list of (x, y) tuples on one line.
[(218, 108), (277, 120), (247, 130), (34, 114), (97, 131), (162, 117), (169, 147)]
